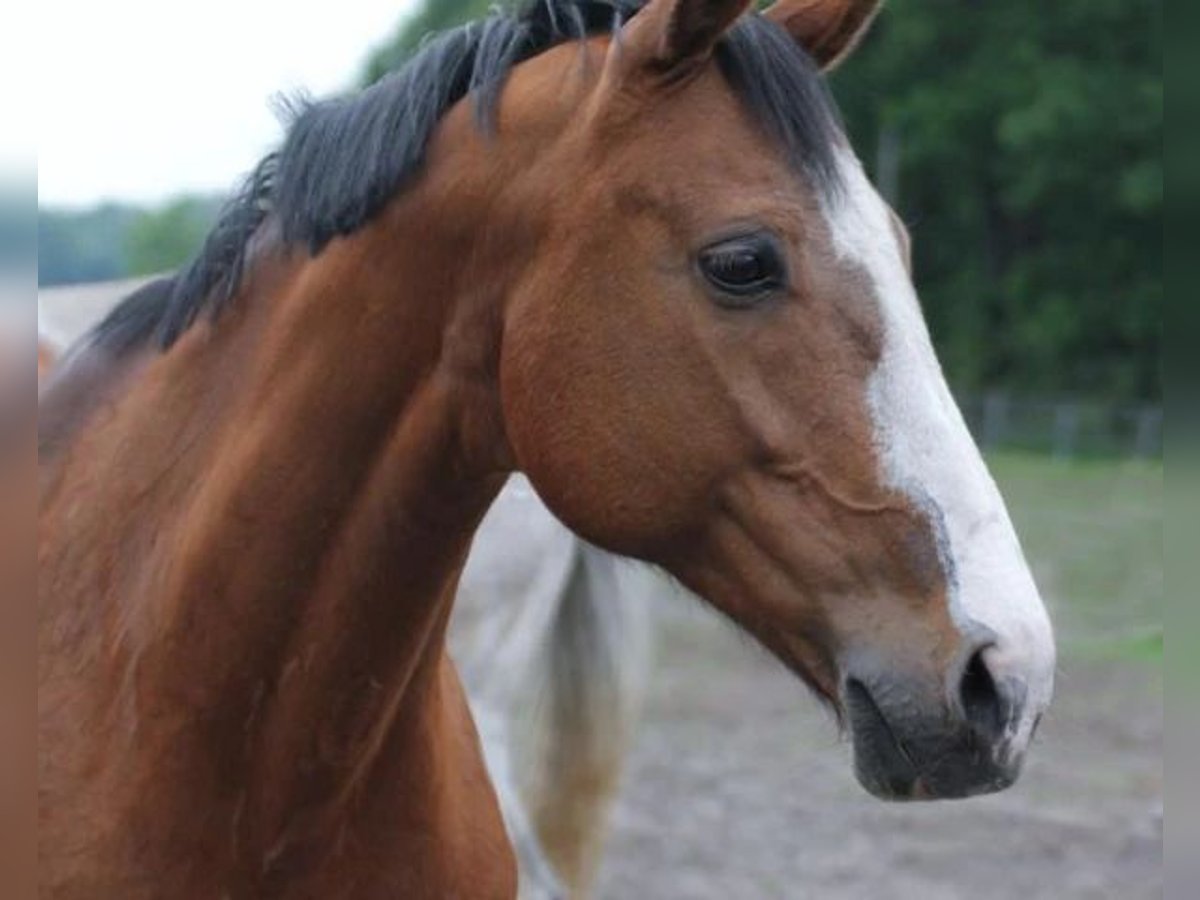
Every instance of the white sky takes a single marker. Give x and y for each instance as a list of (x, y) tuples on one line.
[(143, 99)]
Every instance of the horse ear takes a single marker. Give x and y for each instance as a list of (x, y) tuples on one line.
[(828, 29), (670, 36)]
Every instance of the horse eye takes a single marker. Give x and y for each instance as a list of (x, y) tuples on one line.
[(743, 270)]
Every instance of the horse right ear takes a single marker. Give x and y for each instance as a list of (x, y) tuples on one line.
[(828, 29), (673, 37)]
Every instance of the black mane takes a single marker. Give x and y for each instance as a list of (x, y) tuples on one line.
[(343, 159)]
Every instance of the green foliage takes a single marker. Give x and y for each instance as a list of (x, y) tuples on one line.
[(430, 17), (116, 240), (1029, 170), (166, 238)]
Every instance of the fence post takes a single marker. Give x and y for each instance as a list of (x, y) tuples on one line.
[(1149, 432), (995, 419), (1066, 427), (887, 163)]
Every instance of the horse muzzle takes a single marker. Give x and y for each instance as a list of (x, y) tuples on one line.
[(914, 741)]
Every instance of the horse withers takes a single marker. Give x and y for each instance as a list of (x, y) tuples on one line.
[(627, 251)]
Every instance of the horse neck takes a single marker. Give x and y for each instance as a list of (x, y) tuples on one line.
[(320, 555)]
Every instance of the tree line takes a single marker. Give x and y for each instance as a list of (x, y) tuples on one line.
[(116, 240)]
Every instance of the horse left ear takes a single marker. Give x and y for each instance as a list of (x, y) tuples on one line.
[(828, 29), (672, 36)]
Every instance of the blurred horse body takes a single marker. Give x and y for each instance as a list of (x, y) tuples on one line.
[(552, 637)]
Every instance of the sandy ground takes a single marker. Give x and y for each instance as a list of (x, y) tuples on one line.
[(739, 787)]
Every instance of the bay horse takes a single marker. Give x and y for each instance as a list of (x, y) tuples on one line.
[(624, 250), (552, 636)]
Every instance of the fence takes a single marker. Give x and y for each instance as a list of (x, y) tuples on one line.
[(1066, 429)]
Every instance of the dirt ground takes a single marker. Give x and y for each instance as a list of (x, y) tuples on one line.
[(739, 787)]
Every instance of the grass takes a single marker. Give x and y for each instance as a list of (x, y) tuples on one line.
[(1093, 532)]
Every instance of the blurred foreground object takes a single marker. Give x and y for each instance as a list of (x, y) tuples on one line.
[(18, 583)]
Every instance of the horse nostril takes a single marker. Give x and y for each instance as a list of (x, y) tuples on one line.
[(983, 702)]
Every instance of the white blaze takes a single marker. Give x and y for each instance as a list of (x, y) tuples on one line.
[(927, 453)]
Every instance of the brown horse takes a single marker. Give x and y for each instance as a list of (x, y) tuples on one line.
[(642, 266)]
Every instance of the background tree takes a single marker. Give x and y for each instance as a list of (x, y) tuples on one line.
[(429, 17), (118, 240), (166, 238)]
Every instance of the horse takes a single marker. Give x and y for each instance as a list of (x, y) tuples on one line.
[(624, 249), (552, 636)]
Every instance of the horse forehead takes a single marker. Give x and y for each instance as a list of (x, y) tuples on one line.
[(549, 89), (566, 86), (862, 229)]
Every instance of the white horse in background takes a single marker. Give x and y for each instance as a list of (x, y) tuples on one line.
[(552, 638)]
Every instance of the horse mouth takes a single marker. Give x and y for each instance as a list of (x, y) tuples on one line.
[(881, 762), (907, 757)]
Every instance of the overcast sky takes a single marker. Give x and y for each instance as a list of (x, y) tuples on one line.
[(139, 100)]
